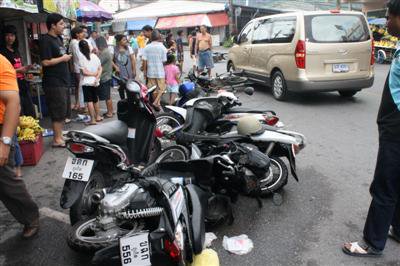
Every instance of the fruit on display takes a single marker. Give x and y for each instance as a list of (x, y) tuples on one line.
[(28, 129), (386, 40)]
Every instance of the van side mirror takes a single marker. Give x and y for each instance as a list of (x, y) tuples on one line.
[(236, 39)]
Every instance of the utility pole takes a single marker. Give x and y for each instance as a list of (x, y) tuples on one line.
[(232, 28), (338, 4)]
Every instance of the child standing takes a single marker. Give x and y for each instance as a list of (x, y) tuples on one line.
[(172, 74)]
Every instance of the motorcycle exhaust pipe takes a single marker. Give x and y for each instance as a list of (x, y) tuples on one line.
[(97, 196)]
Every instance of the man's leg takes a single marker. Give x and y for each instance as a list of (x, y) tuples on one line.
[(76, 92), (58, 128), (385, 191), (14, 195)]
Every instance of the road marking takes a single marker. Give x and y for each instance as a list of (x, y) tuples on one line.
[(59, 216)]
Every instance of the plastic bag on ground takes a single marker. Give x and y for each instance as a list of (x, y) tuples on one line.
[(207, 257), (210, 237), (238, 245)]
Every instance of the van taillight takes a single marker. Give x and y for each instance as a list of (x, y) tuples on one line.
[(300, 54), (373, 52)]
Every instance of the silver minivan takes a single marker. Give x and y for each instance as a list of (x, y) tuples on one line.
[(307, 51)]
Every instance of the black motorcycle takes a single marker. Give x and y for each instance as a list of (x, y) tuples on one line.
[(148, 221), (101, 154)]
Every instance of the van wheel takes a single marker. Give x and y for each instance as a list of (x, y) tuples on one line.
[(347, 94), (230, 66), (279, 87)]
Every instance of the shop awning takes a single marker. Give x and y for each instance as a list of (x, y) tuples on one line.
[(139, 24), (183, 21), (210, 20), (218, 19)]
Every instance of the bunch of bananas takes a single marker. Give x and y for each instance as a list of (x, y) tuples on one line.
[(28, 129)]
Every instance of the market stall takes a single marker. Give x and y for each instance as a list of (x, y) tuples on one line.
[(385, 44)]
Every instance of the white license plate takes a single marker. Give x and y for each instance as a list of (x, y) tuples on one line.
[(340, 68), (135, 250), (78, 169)]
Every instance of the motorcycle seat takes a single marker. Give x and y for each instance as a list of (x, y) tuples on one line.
[(247, 110), (115, 131)]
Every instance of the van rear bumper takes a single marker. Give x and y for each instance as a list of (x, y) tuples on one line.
[(334, 85)]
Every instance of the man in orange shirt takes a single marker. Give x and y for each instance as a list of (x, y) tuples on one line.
[(13, 191)]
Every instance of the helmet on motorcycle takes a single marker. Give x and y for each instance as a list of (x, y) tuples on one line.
[(185, 88), (249, 125)]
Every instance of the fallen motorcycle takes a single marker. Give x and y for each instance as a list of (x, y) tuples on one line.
[(143, 222), (102, 153)]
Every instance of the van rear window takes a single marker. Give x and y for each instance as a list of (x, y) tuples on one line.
[(336, 28)]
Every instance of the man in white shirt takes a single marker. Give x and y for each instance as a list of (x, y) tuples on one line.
[(77, 35), (154, 56), (92, 40)]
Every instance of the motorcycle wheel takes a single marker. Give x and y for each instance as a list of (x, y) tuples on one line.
[(83, 236), (276, 178), (165, 123), (173, 153), (83, 208), (155, 150)]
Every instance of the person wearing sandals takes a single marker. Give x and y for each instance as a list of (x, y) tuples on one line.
[(154, 57), (383, 218), (55, 75), (90, 66), (106, 74)]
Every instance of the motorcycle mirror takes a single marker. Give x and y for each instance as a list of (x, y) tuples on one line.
[(249, 90)]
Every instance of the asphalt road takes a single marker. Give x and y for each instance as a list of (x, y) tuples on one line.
[(327, 207)]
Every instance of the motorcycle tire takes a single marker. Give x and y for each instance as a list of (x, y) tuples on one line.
[(155, 151), (109, 256), (172, 120), (180, 153), (275, 183), (77, 243), (77, 212)]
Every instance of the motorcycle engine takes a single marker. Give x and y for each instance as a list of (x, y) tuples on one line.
[(120, 198)]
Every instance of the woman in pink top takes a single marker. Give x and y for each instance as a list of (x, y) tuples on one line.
[(172, 74)]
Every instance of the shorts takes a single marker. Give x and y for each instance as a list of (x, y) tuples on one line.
[(160, 83), (173, 89), (205, 60), (103, 90), (90, 94), (57, 102)]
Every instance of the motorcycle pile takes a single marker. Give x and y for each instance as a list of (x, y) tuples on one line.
[(142, 190)]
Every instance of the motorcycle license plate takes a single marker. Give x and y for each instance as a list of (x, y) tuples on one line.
[(78, 169), (340, 68), (135, 250)]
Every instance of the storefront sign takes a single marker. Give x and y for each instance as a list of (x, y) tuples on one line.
[(25, 5), (67, 8)]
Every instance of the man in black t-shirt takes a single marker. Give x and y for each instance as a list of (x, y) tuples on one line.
[(55, 75)]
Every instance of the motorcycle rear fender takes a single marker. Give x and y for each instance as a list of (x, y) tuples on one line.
[(198, 202), (292, 161), (177, 110), (71, 192)]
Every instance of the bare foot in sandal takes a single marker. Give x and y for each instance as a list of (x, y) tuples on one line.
[(360, 249)]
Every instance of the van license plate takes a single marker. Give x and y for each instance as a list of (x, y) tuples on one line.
[(135, 250), (78, 169), (340, 68)]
